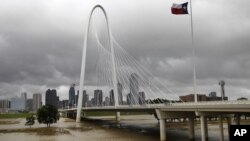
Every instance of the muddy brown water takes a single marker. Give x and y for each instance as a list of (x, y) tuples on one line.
[(129, 129)]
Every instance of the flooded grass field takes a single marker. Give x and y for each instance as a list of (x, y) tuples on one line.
[(129, 129)]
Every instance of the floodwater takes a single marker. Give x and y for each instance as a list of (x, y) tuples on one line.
[(133, 128)]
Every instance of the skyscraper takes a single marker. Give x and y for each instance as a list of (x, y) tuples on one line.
[(37, 101), (120, 97), (112, 98), (48, 99), (24, 96), (85, 98), (29, 104), (98, 98), (129, 97), (17, 104), (142, 98), (51, 98), (72, 100), (65, 103), (4, 106), (112, 95), (107, 101), (134, 88)]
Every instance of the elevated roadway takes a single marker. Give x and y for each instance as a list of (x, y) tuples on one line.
[(222, 109)]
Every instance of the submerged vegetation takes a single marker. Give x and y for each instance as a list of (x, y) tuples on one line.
[(48, 114), (30, 121)]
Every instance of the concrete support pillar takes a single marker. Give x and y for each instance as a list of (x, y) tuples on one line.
[(84, 114), (118, 115), (221, 128), (237, 119), (229, 120), (162, 118), (162, 130), (203, 127), (206, 128), (191, 128)]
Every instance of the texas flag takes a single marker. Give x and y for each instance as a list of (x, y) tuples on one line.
[(180, 8)]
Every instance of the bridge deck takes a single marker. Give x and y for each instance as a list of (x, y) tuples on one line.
[(218, 106)]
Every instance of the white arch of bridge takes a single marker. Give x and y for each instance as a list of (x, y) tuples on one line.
[(79, 106)]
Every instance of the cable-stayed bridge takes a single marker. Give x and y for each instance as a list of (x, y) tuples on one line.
[(130, 87)]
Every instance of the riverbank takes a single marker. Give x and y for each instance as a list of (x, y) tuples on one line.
[(68, 129), (130, 128)]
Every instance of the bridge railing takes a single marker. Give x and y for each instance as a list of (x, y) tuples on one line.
[(126, 106), (211, 103)]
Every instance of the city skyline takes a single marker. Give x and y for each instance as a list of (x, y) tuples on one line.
[(41, 43)]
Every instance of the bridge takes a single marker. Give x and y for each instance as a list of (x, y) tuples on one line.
[(129, 76), (203, 110)]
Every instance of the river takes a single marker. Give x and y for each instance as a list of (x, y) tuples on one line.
[(129, 129)]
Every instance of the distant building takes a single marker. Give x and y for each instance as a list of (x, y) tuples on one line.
[(92, 102), (212, 94), (24, 96), (37, 101), (201, 97), (112, 95), (65, 103), (111, 98), (51, 98), (48, 97), (129, 99), (213, 97), (29, 104), (72, 100), (134, 88), (120, 96), (59, 104), (216, 98), (85, 98), (17, 104), (98, 98), (190, 98), (142, 98), (4, 106), (107, 101)]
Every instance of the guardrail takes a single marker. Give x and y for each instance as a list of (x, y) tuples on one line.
[(212, 103)]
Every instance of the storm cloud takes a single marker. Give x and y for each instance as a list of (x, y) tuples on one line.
[(41, 43)]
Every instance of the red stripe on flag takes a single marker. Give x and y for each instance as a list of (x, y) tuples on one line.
[(177, 11)]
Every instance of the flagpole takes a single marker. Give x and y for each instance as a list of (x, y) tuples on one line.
[(193, 48)]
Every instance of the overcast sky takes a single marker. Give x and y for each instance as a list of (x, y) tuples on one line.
[(41, 43)]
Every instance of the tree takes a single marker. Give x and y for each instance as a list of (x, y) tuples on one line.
[(48, 114), (242, 98), (30, 121)]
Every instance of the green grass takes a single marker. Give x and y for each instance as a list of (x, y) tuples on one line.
[(15, 115)]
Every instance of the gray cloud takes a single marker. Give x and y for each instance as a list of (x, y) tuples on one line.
[(41, 43)]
